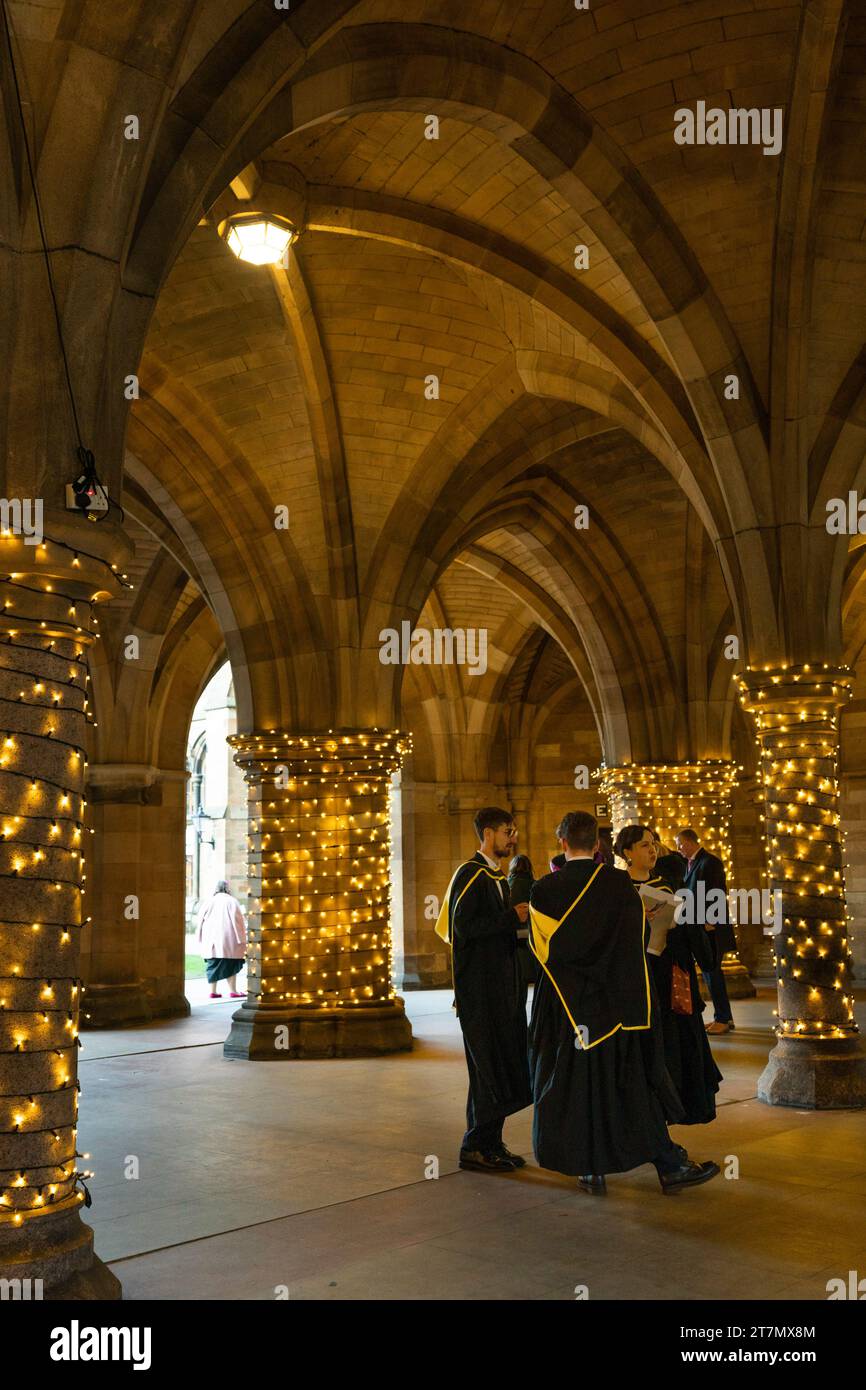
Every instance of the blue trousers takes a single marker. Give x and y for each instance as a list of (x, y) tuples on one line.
[(715, 983)]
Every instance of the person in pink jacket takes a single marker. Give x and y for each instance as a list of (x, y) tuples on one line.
[(222, 939)]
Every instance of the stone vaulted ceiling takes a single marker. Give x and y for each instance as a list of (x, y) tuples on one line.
[(307, 388)]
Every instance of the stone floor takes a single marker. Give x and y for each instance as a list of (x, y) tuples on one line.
[(310, 1178)]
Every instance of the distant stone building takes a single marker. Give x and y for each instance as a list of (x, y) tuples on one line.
[(216, 817)]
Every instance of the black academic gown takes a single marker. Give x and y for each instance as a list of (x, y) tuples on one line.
[(489, 991), (687, 1050), (600, 1106)]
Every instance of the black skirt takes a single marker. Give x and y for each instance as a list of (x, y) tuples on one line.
[(687, 1050), (218, 969)]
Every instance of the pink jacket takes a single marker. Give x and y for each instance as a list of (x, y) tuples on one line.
[(222, 931)]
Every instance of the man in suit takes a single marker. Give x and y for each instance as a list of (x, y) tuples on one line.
[(706, 868), (480, 925)]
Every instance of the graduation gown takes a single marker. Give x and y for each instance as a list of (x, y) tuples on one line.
[(687, 1050), (481, 928), (601, 1091)]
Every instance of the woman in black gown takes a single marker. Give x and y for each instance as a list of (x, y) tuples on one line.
[(687, 1051)]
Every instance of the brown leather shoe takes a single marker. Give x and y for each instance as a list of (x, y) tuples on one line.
[(717, 1027)]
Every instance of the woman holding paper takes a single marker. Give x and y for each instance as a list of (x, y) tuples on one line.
[(673, 949)]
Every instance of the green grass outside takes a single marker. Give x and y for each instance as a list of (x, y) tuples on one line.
[(194, 968)]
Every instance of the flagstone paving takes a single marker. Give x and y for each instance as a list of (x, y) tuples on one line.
[(317, 1180)]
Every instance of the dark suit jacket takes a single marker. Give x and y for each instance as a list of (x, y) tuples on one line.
[(708, 869), (672, 868)]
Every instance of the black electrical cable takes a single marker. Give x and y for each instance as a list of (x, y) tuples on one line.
[(38, 206), (85, 456)]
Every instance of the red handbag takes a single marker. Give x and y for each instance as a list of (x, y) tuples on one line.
[(681, 991)]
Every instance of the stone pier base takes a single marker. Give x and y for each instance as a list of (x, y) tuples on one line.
[(115, 1006), (738, 981), (280, 1035), (94, 1285), (426, 972), (814, 1074), (58, 1250), (124, 1006)]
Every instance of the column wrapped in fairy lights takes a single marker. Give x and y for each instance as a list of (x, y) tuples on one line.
[(671, 796), (319, 873), (796, 715), (46, 626), (796, 712)]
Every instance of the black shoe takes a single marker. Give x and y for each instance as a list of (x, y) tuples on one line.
[(514, 1159), (689, 1175), (478, 1162), (594, 1183)]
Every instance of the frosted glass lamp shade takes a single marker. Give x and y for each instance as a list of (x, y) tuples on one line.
[(259, 238)]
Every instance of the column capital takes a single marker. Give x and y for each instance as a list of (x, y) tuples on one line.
[(794, 693), (710, 773), (256, 753), (464, 798), (54, 575), (520, 796), (670, 795), (128, 782)]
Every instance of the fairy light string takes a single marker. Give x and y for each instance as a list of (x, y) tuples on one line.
[(670, 796), (319, 866), (796, 715)]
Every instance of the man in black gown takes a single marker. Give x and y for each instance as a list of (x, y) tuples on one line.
[(602, 1093), (481, 928)]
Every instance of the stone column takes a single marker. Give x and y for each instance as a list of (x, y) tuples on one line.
[(819, 1059), (46, 626), (519, 800), (668, 796), (319, 959), (441, 820), (754, 937), (441, 838), (853, 791), (133, 943)]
